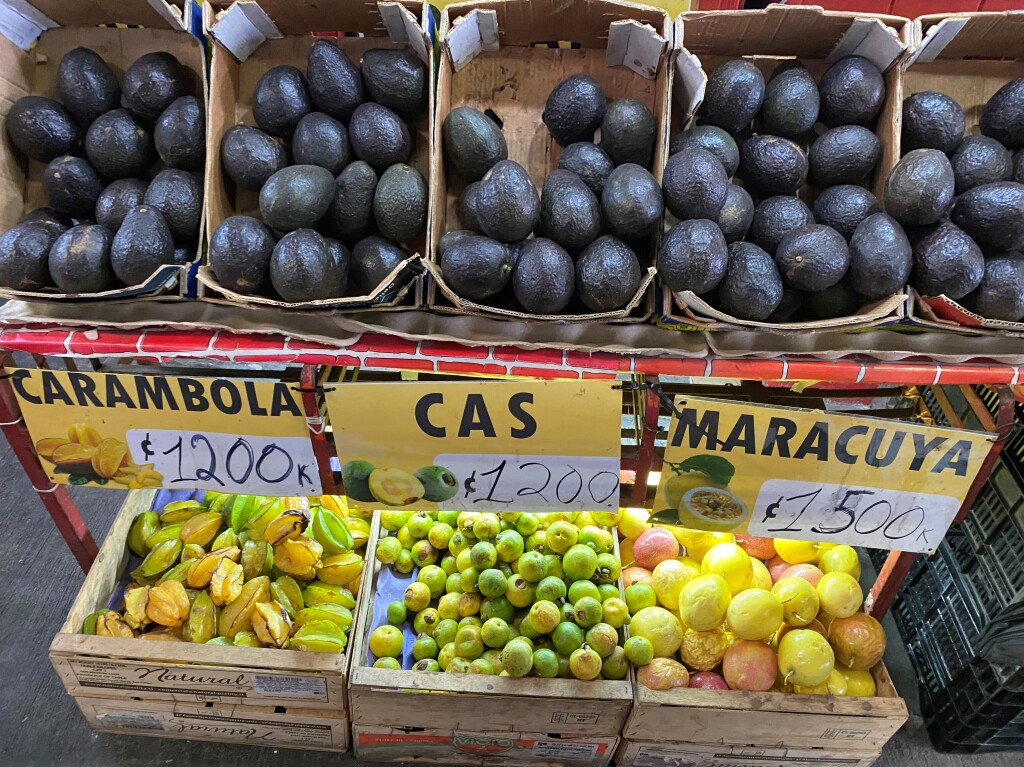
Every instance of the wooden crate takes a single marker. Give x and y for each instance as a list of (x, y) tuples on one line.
[(661, 754), (383, 699), (137, 670)]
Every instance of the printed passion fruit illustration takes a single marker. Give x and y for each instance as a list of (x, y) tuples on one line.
[(439, 484), (394, 487), (698, 495), (712, 508), (355, 475), (697, 471)]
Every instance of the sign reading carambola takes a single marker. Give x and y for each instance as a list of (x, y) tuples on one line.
[(481, 446), (139, 431), (811, 475)]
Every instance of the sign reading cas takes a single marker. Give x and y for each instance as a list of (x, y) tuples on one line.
[(482, 446), (135, 431), (805, 474)]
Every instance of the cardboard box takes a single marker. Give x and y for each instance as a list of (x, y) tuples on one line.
[(705, 41), (251, 38), (660, 754), (506, 56), (967, 56), (35, 38)]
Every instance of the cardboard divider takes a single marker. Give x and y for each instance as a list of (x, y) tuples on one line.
[(506, 56), (231, 85)]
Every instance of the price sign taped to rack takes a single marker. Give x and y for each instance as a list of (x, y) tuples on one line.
[(811, 475), (479, 446), (137, 431)]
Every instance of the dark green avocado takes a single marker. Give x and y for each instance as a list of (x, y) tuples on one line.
[(932, 120), (608, 274), (1000, 296), (339, 263), (296, 197), (992, 215), (844, 155), (152, 83), (476, 268), (280, 99), (628, 131), (569, 212), (120, 145), (791, 101), (714, 140), (694, 184), (469, 208), (813, 257), (919, 189), (25, 256), (473, 142), (771, 165), (508, 205), (751, 288), (239, 254), (844, 207), (180, 134), (851, 91), (178, 195), (51, 219), (250, 156), (632, 202), (737, 214), (980, 160), (588, 161), (396, 79), (840, 300), (400, 204), (776, 216), (733, 96), (42, 129), (301, 267), (574, 109), (80, 260), (321, 140), (349, 217), (72, 186), (450, 238), (86, 86), (693, 256), (880, 257), (334, 82), (373, 259), (141, 246), (1003, 115), (544, 277), (789, 308), (379, 136), (946, 262), (1018, 167), (117, 199)]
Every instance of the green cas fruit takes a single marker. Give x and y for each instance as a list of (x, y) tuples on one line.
[(356, 477), (439, 484)]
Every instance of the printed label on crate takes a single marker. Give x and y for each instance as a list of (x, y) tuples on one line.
[(481, 446), (567, 750), (140, 431), (811, 475)]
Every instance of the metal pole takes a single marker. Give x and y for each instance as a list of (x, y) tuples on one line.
[(645, 450), (317, 427)]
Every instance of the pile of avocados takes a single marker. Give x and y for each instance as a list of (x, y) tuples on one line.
[(123, 177), (329, 156), (739, 182), (576, 246), (961, 200)]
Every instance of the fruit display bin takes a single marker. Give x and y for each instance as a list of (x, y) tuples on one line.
[(476, 719), (179, 689)]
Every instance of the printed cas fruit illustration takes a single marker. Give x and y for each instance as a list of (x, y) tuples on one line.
[(395, 487), (355, 475), (439, 484)]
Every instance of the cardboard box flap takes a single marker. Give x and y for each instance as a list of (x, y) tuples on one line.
[(978, 35), (154, 14), (635, 46), (471, 34), (935, 42), (871, 39), (403, 27), (689, 84), (301, 17), (22, 24), (243, 27)]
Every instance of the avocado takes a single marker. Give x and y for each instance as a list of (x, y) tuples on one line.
[(396, 79), (250, 156), (379, 136), (628, 131), (693, 256), (79, 260), (141, 246), (1018, 167), (51, 219), (714, 140), (791, 101), (789, 307), (980, 160), (182, 256), (919, 189), (25, 256), (776, 216), (301, 267), (296, 197), (569, 212), (508, 205), (152, 83), (120, 145), (844, 207), (1003, 115), (72, 186), (321, 140), (839, 300), (373, 259), (737, 214), (86, 86), (339, 261), (117, 199), (334, 82), (1000, 296), (880, 257), (473, 142), (751, 288), (450, 238), (772, 165), (476, 268), (349, 217), (733, 96), (180, 134), (469, 208), (439, 484), (608, 274), (544, 277), (992, 215), (844, 155), (851, 91), (932, 120), (946, 262), (694, 184), (239, 254), (588, 161), (280, 99), (400, 203), (574, 109), (632, 202), (355, 477), (178, 195), (813, 257), (42, 129)]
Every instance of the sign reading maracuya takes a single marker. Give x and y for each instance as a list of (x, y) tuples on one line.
[(135, 431), (806, 474), (482, 446)]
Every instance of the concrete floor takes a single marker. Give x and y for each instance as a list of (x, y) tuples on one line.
[(40, 725)]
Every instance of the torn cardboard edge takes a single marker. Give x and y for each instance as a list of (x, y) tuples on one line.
[(872, 39), (936, 40), (165, 276), (689, 83), (945, 313), (471, 35)]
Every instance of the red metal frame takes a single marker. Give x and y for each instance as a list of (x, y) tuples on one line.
[(315, 421)]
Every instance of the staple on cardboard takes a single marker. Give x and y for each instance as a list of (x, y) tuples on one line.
[(936, 40), (403, 27), (475, 32), (243, 27), (22, 24), (635, 46), (871, 39)]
